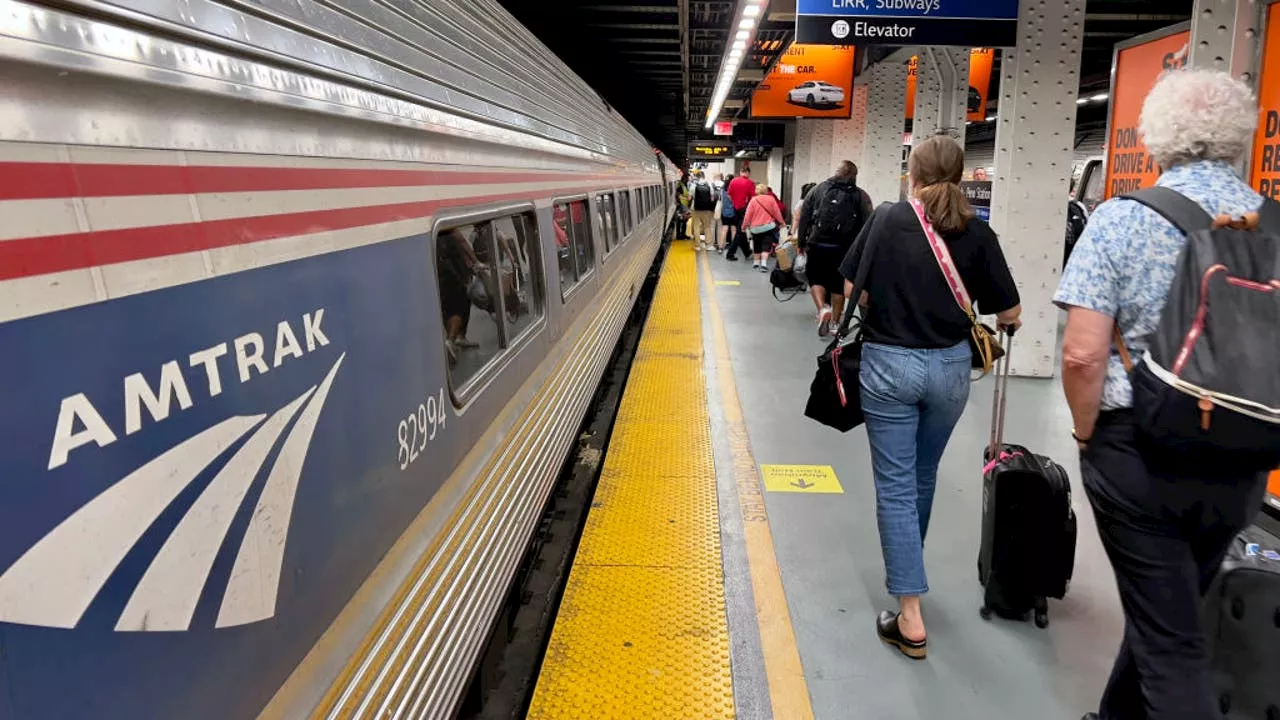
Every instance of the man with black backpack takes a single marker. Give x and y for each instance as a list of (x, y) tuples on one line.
[(1169, 367), (704, 207), (831, 217)]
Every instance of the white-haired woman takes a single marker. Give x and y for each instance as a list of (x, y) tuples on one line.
[(1165, 527)]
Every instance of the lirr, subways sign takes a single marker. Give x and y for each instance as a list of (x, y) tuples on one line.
[(966, 23)]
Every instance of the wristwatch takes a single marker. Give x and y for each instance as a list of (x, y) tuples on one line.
[(1077, 438)]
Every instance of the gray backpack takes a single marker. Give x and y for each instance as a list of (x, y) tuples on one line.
[(1207, 392)]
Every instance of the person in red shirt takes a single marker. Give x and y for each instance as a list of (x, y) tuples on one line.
[(741, 190)]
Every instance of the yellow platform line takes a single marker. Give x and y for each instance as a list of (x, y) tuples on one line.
[(642, 631), (788, 691)]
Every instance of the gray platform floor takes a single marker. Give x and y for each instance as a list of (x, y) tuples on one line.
[(828, 548)]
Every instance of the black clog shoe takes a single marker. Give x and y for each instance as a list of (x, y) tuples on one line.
[(891, 634)]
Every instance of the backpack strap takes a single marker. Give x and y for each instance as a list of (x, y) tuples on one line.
[(1180, 210), (1184, 214), (1269, 216)]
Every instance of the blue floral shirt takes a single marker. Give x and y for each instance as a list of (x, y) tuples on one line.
[(1123, 264)]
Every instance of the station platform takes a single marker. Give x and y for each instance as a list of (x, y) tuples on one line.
[(730, 566)]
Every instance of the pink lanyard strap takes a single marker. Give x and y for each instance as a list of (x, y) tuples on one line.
[(945, 263)]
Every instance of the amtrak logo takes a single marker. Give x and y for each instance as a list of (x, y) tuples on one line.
[(56, 580)]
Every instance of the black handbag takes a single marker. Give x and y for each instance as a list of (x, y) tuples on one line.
[(835, 395)]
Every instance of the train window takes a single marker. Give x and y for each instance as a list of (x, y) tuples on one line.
[(573, 242), (519, 258), (624, 210), (608, 221), (490, 289)]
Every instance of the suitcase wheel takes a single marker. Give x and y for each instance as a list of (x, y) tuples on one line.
[(1042, 613), (985, 612)]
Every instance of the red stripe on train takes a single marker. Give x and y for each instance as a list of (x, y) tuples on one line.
[(25, 257), (35, 181)]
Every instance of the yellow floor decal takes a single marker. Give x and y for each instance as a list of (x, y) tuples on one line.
[(728, 283), (817, 479), (642, 632)]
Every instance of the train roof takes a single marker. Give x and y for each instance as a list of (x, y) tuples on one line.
[(468, 57)]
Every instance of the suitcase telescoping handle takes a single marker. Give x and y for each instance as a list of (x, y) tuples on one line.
[(999, 398)]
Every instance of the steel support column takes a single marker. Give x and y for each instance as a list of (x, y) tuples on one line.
[(942, 94), (820, 166), (849, 137), (880, 168), (1225, 35), (1034, 138), (926, 120), (804, 144)]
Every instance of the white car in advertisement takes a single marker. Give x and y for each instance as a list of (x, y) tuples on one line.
[(815, 93)]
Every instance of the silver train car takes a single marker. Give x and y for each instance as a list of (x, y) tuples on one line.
[(302, 303)]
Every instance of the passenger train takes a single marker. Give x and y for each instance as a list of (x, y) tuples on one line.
[(302, 304)]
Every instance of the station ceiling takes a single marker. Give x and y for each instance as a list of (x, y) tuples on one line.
[(657, 62)]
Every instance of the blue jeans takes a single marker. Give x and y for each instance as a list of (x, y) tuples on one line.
[(912, 400)]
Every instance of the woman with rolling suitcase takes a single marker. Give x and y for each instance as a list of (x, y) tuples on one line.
[(917, 356)]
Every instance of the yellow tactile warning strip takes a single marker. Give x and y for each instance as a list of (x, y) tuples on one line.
[(788, 691), (642, 632)]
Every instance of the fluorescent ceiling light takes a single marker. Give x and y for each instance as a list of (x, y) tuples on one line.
[(1100, 97), (747, 23), (1082, 101), (740, 45), (990, 118), (751, 11), (742, 35)]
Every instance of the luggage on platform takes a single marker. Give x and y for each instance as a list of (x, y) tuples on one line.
[(1242, 626), (1028, 546), (785, 254)]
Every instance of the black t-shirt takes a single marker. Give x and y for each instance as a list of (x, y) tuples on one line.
[(911, 304)]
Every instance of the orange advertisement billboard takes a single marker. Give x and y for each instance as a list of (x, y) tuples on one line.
[(913, 69), (1265, 168), (980, 63), (1134, 73), (812, 81)]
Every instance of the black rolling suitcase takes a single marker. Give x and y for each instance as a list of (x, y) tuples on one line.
[(1242, 626), (1028, 526)]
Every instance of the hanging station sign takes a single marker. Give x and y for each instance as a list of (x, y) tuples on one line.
[(980, 62), (710, 151), (812, 81), (966, 23), (1137, 65)]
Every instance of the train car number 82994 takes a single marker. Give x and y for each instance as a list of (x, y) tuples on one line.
[(421, 427)]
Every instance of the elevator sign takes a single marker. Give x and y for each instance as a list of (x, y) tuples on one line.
[(965, 23)]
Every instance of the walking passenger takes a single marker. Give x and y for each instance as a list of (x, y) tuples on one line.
[(741, 190), (832, 217), (727, 218), (1166, 527), (683, 200), (916, 359), (804, 193), (704, 206), (763, 220)]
